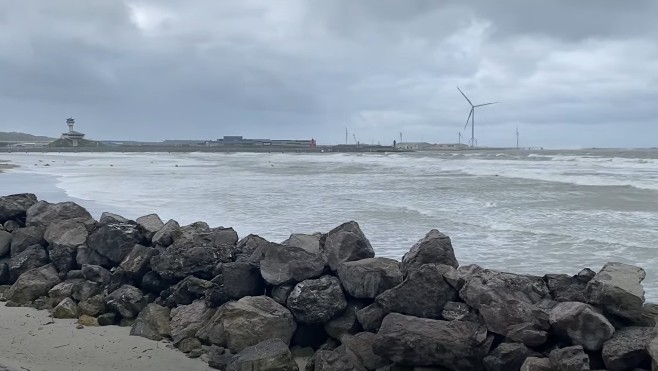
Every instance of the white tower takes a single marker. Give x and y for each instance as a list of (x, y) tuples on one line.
[(70, 122)]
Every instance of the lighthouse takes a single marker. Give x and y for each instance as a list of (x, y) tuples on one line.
[(72, 135)]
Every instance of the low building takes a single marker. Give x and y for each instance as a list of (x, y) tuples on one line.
[(237, 140), (75, 137)]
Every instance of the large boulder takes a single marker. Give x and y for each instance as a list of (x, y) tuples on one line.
[(85, 289), (506, 357), (308, 242), (415, 341), (345, 243), (163, 237), (14, 207), (111, 218), (423, 294), (85, 255), (33, 257), (127, 300), (115, 240), (234, 281), (536, 364), (434, 248), (268, 355), (628, 349), (23, 238), (178, 262), (345, 324), (186, 320), (93, 306), (152, 323), (617, 289), (186, 291), (138, 261), (367, 278), (250, 244), (360, 346), (5, 243), (67, 308), (571, 358), (248, 321), (569, 288), (283, 264), (33, 284), (63, 290), (43, 213), (149, 225), (371, 317), (652, 349), (64, 237), (581, 324), (317, 301), (199, 234), (152, 282), (96, 273), (457, 311)]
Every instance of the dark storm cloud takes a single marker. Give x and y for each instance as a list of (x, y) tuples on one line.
[(151, 69)]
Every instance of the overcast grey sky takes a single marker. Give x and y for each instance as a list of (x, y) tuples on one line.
[(568, 73)]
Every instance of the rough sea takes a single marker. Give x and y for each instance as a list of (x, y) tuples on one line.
[(525, 212)]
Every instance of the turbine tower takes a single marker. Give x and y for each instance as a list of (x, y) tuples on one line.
[(471, 117)]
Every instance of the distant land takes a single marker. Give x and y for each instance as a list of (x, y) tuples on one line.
[(23, 137)]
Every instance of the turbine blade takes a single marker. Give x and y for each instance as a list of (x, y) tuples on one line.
[(486, 104), (469, 101), (469, 117)]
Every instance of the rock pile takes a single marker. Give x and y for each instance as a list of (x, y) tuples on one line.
[(252, 304)]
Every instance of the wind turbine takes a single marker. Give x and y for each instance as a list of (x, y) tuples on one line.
[(460, 138), (471, 117), (517, 137)]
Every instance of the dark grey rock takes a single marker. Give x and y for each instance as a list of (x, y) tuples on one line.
[(118, 279), (74, 274), (64, 237), (566, 288), (188, 345), (308, 242), (617, 289), (334, 360), (361, 347), (152, 323), (317, 301), (4, 274), (32, 257), (423, 294), (23, 238), (434, 248), (149, 225), (506, 357), (219, 358), (234, 281), (199, 234), (96, 273), (285, 264), (347, 323), (85, 255), (33, 284), (571, 358), (178, 262), (367, 278), (628, 349), (280, 293), (93, 306), (456, 311), (248, 321), (582, 324), (371, 317), (251, 243), (5, 243), (111, 218), (63, 289), (152, 282), (268, 355), (14, 207), (163, 236), (186, 291), (414, 341), (138, 261), (127, 300), (186, 320), (345, 243), (67, 308), (114, 241), (12, 225), (107, 319), (536, 364), (84, 289), (44, 213)]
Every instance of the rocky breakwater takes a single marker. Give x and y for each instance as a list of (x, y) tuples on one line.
[(252, 304)]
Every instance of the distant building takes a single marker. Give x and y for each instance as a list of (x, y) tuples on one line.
[(73, 136), (237, 140), (424, 146)]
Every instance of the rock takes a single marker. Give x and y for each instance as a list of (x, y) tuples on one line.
[(328, 360), (346, 243), (93, 306), (652, 349), (196, 353), (138, 261), (617, 289), (96, 273), (107, 319), (186, 291), (111, 218), (152, 282), (627, 349), (199, 234), (280, 293), (268, 355), (434, 248), (86, 255), (346, 323), (414, 341), (114, 241), (186, 320), (43, 303), (4, 273), (33, 257), (66, 309), (371, 317), (317, 301), (367, 278), (86, 320), (566, 288), (248, 245), (44, 213), (235, 281), (5, 243), (84, 289), (247, 322), (163, 236), (456, 311), (308, 242), (33, 284), (178, 262), (64, 237), (423, 294), (506, 357), (536, 364), (23, 238), (188, 345), (149, 225), (74, 274), (63, 289), (12, 225), (127, 300), (527, 333), (153, 323), (286, 264), (14, 207), (581, 324), (571, 358), (219, 358), (361, 347)]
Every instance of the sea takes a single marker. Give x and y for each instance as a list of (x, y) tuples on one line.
[(533, 212)]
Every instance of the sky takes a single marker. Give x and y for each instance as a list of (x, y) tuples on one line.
[(567, 73)]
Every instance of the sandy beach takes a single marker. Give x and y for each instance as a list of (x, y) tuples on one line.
[(29, 341)]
